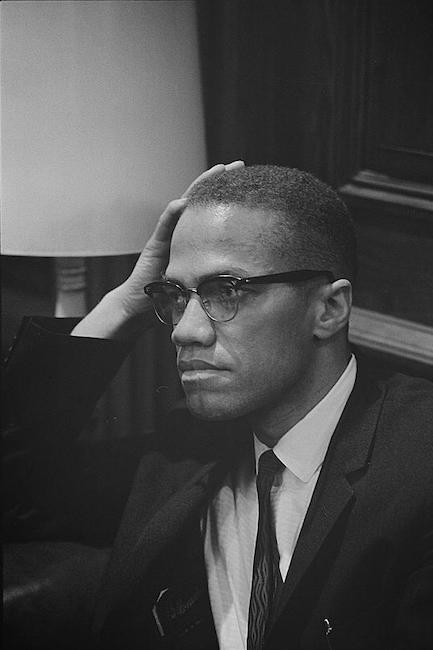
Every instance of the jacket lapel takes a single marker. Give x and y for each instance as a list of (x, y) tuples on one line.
[(168, 490), (347, 458), (151, 521)]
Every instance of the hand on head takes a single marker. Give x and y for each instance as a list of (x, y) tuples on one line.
[(154, 258), (118, 314)]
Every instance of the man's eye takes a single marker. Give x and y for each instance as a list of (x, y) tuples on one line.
[(219, 291), (246, 288), (226, 291), (172, 295)]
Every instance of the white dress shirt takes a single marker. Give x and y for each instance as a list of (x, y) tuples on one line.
[(232, 517)]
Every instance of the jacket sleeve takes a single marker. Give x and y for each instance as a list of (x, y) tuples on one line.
[(56, 482)]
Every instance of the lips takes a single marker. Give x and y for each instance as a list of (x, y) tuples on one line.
[(196, 364)]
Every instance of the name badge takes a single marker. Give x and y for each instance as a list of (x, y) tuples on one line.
[(183, 617)]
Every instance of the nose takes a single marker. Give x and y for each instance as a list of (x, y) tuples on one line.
[(195, 327)]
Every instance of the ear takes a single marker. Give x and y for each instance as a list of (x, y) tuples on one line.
[(334, 302)]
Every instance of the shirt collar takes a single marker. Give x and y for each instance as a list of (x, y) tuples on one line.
[(303, 448)]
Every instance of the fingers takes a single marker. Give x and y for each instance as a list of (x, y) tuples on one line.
[(237, 164), (170, 216), (168, 220), (216, 170)]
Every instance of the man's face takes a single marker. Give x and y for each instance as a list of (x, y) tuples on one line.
[(257, 361)]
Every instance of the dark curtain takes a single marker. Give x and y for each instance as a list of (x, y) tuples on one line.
[(269, 76)]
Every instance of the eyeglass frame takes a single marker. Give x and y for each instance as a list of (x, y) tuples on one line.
[(286, 276)]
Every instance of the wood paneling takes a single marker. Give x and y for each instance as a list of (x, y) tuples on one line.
[(395, 236), (390, 185), (392, 336)]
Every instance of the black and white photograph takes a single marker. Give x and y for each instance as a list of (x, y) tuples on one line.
[(217, 324)]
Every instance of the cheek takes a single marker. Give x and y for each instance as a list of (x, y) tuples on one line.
[(272, 347), (269, 370)]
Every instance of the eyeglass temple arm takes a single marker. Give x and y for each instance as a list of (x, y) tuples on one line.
[(288, 276)]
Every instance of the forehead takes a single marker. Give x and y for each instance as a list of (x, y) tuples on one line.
[(223, 239)]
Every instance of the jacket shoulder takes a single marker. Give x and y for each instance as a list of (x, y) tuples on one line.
[(405, 425), (409, 397)]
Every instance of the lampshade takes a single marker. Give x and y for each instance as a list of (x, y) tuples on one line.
[(102, 122)]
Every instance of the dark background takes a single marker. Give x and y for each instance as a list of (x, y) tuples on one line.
[(343, 89)]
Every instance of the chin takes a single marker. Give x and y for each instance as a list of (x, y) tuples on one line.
[(208, 412), (214, 408)]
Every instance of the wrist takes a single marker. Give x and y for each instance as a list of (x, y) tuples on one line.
[(116, 316)]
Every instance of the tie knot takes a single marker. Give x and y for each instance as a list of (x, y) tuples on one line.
[(269, 465)]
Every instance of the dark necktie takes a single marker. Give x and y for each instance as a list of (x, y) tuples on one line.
[(267, 580)]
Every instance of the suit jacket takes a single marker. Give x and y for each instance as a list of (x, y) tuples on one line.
[(362, 571)]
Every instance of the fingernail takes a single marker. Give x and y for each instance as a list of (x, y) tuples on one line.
[(235, 163)]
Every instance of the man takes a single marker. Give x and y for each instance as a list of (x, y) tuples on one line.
[(323, 542)]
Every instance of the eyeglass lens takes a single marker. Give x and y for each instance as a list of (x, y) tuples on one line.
[(169, 303), (218, 296)]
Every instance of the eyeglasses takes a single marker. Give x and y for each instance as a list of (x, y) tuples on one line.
[(219, 295)]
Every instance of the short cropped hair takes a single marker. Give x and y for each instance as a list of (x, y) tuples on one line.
[(311, 228)]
